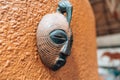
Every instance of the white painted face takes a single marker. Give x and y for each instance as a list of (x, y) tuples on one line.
[(54, 40)]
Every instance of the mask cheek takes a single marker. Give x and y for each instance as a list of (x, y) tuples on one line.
[(54, 61), (49, 60)]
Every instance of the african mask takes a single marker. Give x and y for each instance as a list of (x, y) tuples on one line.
[(54, 39)]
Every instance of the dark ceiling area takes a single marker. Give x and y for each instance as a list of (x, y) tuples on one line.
[(106, 22)]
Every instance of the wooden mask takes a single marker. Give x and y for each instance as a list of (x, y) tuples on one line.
[(54, 37)]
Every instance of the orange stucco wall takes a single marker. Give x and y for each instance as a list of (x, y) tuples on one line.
[(19, 59)]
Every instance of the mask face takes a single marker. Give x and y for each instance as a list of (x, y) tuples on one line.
[(54, 40)]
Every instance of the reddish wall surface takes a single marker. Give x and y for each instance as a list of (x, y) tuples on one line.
[(19, 59)]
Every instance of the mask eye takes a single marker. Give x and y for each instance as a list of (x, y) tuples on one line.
[(58, 36)]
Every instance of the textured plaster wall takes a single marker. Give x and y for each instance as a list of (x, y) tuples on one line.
[(19, 59)]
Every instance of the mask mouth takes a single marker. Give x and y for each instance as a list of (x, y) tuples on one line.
[(60, 62)]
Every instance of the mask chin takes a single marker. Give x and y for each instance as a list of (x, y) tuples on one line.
[(60, 62)]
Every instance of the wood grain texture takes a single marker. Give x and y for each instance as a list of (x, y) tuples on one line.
[(19, 59)]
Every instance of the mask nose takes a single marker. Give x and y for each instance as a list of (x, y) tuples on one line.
[(66, 49)]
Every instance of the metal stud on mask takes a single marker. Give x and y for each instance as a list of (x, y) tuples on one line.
[(54, 36)]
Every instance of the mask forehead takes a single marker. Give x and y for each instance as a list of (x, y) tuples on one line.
[(51, 22)]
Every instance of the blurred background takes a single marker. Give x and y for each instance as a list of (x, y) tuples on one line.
[(107, 14)]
